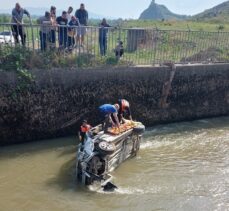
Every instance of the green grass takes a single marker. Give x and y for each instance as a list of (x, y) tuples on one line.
[(176, 25)]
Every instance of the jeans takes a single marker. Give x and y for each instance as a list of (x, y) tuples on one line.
[(62, 39), (44, 37), (18, 30), (52, 38), (103, 45), (71, 41)]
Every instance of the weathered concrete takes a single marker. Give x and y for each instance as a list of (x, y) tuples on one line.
[(57, 96)]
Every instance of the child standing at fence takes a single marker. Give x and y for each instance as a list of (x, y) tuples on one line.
[(72, 29)]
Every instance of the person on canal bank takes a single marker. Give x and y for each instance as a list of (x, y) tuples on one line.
[(82, 16), (119, 50), (69, 13), (62, 21), (45, 24), (53, 28), (84, 128), (17, 21), (72, 30), (106, 111), (103, 31), (124, 110)]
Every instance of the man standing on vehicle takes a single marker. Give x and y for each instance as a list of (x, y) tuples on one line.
[(124, 110), (17, 27), (82, 16), (106, 111)]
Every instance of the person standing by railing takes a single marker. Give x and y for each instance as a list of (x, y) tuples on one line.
[(17, 21), (45, 26), (62, 22), (82, 15), (69, 13), (53, 28), (72, 29), (103, 31)]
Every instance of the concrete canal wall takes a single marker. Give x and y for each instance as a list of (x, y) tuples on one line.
[(156, 94)]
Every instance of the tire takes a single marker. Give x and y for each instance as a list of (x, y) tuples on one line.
[(139, 129), (106, 148)]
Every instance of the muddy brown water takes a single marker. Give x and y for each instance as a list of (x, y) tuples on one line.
[(183, 166)]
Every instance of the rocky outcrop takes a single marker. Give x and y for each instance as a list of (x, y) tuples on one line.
[(159, 12)]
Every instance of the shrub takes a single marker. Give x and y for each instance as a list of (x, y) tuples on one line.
[(220, 28)]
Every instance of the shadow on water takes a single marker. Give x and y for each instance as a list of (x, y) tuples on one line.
[(65, 179)]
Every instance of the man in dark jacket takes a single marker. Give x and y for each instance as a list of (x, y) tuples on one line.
[(17, 21), (82, 16), (103, 31)]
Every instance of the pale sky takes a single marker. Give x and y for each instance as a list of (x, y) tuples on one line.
[(119, 8)]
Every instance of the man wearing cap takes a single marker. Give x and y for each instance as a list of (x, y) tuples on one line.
[(124, 110)]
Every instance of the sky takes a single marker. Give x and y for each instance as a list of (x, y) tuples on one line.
[(119, 8)]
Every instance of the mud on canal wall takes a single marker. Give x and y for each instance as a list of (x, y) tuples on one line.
[(156, 94)]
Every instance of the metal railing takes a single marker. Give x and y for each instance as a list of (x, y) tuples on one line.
[(135, 46)]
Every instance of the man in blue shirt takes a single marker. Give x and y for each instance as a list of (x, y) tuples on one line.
[(17, 21), (106, 110)]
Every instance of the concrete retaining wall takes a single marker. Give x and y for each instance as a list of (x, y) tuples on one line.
[(57, 96)]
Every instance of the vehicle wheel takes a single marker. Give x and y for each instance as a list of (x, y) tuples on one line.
[(139, 129), (106, 148)]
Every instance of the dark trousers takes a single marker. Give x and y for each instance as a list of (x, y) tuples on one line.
[(62, 39), (53, 36), (71, 41), (103, 45), (18, 30), (44, 38)]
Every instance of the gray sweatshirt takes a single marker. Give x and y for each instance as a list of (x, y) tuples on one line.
[(45, 24), (18, 15)]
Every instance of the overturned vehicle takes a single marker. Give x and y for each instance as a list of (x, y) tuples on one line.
[(103, 152)]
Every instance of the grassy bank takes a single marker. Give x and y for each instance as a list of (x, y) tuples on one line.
[(177, 41), (178, 25)]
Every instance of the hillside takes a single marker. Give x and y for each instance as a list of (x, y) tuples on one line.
[(219, 13), (158, 12)]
